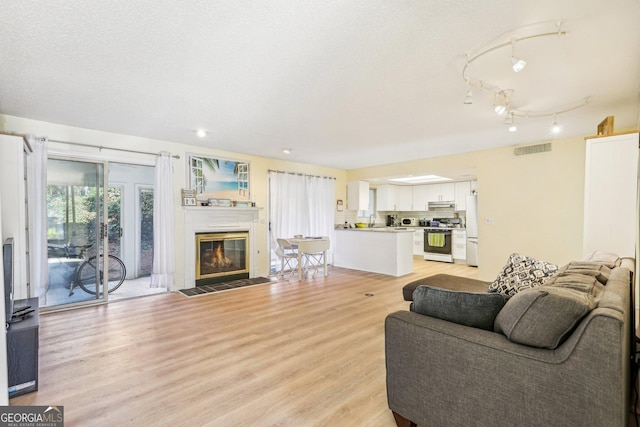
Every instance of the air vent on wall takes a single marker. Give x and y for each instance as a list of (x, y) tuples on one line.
[(532, 149)]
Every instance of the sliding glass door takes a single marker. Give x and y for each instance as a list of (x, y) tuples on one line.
[(77, 234)]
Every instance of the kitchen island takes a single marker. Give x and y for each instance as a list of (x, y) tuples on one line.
[(387, 250)]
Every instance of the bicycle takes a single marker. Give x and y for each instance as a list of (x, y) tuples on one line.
[(85, 276)]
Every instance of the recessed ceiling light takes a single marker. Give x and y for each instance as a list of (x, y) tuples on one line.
[(287, 150), (201, 133)]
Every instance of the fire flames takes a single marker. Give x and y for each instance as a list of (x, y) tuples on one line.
[(218, 259)]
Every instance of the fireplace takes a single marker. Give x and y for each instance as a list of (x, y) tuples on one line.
[(221, 256)]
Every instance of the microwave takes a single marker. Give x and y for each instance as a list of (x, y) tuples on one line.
[(408, 221)]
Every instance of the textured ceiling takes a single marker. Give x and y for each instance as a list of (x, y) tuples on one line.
[(346, 84)]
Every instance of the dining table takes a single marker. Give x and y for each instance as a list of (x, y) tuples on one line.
[(309, 245)]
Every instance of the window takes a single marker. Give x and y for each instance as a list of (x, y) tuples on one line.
[(372, 205)]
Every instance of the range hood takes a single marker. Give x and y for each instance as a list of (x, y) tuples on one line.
[(441, 205)]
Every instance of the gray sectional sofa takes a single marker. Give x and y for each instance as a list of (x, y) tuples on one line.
[(558, 354)]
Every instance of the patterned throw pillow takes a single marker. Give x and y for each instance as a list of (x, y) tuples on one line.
[(521, 272)]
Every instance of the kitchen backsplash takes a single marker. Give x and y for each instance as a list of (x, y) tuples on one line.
[(352, 217)]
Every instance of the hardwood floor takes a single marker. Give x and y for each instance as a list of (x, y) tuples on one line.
[(291, 353)]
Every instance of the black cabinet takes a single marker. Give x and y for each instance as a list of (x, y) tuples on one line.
[(22, 351)]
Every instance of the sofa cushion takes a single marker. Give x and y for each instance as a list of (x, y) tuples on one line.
[(445, 281), (543, 316), (600, 271), (609, 259), (579, 282), (476, 309), (521, 272)]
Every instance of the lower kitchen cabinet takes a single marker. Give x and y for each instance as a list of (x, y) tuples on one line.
[(418, 242), (459, 246)]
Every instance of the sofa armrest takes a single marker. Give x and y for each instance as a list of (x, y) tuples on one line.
[(441, 373)]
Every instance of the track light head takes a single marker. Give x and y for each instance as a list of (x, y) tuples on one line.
[(518, 64), (468, 98), (499, 107), (555, 127)]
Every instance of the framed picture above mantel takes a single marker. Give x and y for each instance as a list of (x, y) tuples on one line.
[(215, 178)]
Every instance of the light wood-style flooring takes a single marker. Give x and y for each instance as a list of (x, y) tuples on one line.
[(308, 353)]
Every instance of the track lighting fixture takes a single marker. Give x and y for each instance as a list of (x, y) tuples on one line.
[(468, 98), (509, 122), (516, 63), (555, 127), (502, 103)]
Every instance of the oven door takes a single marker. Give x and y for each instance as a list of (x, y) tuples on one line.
[(437, 241)]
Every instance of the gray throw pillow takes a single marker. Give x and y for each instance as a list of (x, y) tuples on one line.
[(544, 316), (475, 309)]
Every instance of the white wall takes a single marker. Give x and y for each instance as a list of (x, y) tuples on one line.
[(12, 192), (535, 201), (258, 172)]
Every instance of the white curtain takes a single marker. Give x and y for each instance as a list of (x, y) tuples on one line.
[(321, 209), (163, 224), (300, 204), (36, 195)]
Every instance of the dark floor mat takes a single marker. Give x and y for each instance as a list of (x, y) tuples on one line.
[(223, 286)]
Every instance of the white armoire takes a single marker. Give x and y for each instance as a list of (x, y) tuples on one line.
[(611, 194)]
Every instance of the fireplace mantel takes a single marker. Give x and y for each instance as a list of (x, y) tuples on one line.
[(217, 219)]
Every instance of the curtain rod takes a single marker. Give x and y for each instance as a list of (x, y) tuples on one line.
[(100, 147), (302, 174)]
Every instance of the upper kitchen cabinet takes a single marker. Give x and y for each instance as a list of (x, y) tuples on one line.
[(394, 198), (357, 195), (404, 198), (463, 189), (420, 202), (441, 192)]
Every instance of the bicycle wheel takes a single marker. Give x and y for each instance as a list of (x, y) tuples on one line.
[(86, 277)]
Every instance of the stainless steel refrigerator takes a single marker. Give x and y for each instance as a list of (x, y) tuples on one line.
[(472, 230)]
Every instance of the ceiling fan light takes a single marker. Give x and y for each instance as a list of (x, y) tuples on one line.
[(518, 64)]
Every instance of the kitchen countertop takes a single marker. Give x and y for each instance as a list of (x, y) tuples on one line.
[(401, 228), (381, 229)]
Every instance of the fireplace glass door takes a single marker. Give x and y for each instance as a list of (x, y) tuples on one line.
[(221, 254)]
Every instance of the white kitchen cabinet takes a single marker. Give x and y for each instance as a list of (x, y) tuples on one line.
[(404, 198), (462, 190), (394, 197), (385, 198), (459, 245), (441, 192), (610, 190), (418, 242), (357, 195), (419, 197)]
